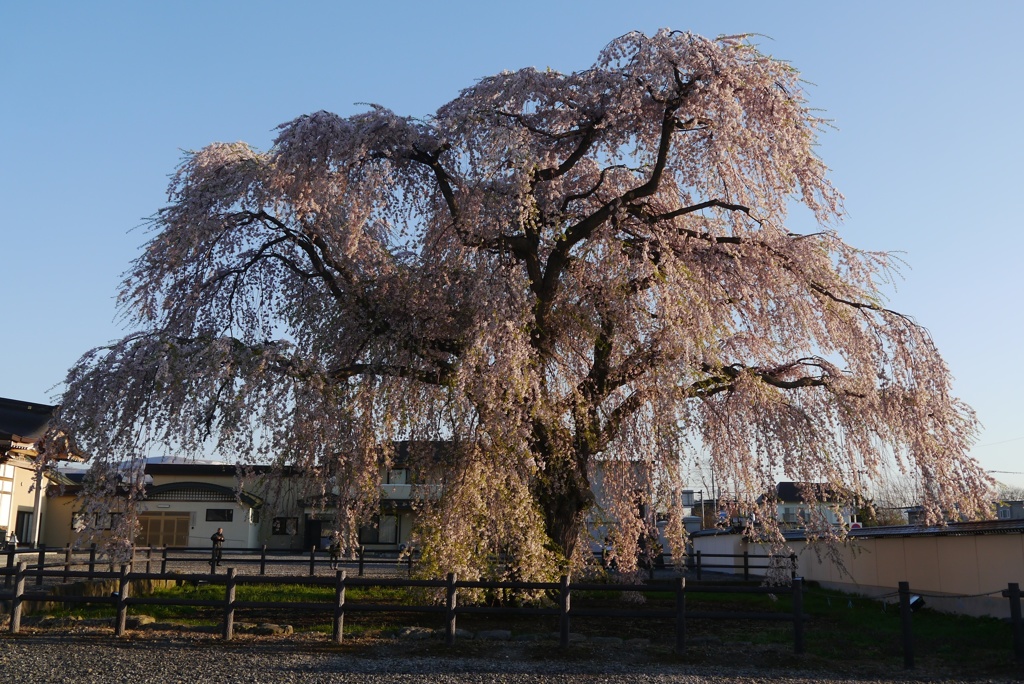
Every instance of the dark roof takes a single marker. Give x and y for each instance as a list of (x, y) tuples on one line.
[(23, 419), (953, 529), (180, 468), (819, 491)]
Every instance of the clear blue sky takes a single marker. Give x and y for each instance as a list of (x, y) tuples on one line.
[(99, 99)]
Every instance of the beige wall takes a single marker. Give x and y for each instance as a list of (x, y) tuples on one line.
[(282, 498), (951, 570), (56, 530), (17, 494)]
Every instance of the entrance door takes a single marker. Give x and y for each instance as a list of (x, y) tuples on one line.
[(313, 529), (23, 526), (164, 529)]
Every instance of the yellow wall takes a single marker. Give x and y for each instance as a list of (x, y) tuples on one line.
[(949, 570)]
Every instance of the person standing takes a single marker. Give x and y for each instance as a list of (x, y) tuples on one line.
[(218, 547), (335, 550)]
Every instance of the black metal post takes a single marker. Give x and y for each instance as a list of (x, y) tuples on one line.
[(798, 615), (92, 560), (312, 561), (906, 624), (450, 602), (746, 566), (41, 565), (563, 636), (362, 551), (263, 560), (792, 566), (680, 615), (698, 566), (1013, 593)]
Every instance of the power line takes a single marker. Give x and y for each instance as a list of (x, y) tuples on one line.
[(1005, 441)]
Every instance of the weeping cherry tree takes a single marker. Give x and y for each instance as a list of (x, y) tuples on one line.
[(569, 278)]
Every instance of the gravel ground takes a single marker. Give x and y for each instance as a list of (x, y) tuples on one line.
[(31, 658)]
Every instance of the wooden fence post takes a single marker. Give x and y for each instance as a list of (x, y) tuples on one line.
[(792, 566), (906, 624), (680, 615), (362, 552), (229, 605), (149, 560), (698, 565), (451, 600), (16, 600), (263, 560), (798, 615), (41, 565), (67, 562), (410, 564), (1013, 593), (312, 561), (339, 606), (163, 562), (746, 566), (10, 566), (563, 618), (92, 561), (122, 600)]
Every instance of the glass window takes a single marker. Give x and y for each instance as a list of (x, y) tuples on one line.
[(285, 526), (220, 514), (384, 530)]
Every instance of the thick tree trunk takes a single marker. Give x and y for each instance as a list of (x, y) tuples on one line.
[(564, 496)]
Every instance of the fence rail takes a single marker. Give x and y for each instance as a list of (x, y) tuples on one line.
[(166, 558), (339, 607), (169, 557), (64, 571)]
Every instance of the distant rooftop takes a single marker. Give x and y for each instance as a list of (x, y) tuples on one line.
[(23, 420)]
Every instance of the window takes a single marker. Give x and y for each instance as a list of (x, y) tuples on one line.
[(284, 526), (384, 531), (1004, 513), (219, 514), (79, 521), (398, 476)]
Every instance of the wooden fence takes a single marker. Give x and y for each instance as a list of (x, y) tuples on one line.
[(166, 558), (697, 563), (339, 607), (20, 574)]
